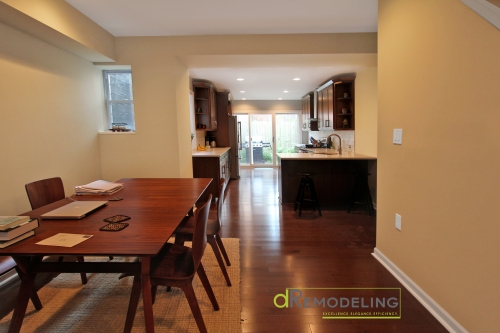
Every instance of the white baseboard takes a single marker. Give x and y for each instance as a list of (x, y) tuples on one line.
[(437, 311)]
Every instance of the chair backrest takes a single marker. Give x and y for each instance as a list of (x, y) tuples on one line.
[(45, 191), (220, 201), (200, 232)]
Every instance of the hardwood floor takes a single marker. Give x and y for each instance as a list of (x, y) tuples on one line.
[(279, 251)]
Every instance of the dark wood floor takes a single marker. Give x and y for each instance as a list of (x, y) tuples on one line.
[(279, 250)]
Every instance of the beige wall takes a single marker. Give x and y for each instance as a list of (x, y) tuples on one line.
[(366, 111), (162, 147), (60, 24), (241, 106), (51, 107), (438, 80)]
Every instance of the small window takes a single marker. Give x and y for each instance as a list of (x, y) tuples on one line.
[(119, 100)]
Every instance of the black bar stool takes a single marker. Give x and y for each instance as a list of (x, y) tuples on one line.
[(307, 185), (361, 193)]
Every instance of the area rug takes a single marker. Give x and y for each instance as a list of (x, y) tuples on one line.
[(101, 304)]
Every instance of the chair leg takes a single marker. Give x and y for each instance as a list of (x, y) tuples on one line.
[(314, 196), (369, 201), (179, 239), (132, 305), (211, 240), (193, 304), (299, 195), (222, 249), (153, 293), (83, 275), (208, 288), (354, 194), (301, 198)]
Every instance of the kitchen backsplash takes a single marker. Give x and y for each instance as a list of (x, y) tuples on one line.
[(347, 137)]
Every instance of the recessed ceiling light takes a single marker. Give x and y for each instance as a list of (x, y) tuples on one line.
[(285, 91), (240, 79), (280, 98), (243, 91), (244, 99), (297, 79)]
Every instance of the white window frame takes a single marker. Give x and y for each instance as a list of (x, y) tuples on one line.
[(109, 102)]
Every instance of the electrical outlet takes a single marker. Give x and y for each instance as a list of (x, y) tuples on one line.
[(398, 221), (397, 137)]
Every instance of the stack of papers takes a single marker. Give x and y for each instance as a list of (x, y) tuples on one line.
[(99, 187)]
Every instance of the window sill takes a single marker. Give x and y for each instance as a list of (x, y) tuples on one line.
[(116, 133)]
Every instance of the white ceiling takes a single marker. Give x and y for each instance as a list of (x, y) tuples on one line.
[(266, 77)]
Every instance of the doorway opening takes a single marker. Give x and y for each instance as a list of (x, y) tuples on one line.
[(265, 134)]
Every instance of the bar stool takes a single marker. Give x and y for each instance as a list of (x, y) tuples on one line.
[(361, 193), (307, 185)]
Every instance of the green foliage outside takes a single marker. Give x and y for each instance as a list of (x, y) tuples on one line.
[(266, 153)]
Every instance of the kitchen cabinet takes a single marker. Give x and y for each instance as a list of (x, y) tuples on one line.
[(335, 104), (227, 134), (309, 123), (224, 110), (343, 103), (214, 163), (324, 100), (205, 105)]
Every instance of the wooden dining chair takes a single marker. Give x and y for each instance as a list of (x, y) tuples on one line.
[(44, 192), (185, 232), (176, 266)]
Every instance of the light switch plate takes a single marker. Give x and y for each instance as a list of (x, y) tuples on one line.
[(398, 221), (397, 137)]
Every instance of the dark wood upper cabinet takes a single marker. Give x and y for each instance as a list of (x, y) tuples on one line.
[(224, 109), (325, 106), (309, 123), (205, 105), (343, 103), (335, 104)]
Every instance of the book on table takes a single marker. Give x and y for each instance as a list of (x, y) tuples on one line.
[(4, 244), (18, 230), (7, 222)]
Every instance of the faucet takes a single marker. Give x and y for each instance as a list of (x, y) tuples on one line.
[(329, 142)]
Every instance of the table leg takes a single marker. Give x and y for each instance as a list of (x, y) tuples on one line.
[(25, 292), (146, 294)]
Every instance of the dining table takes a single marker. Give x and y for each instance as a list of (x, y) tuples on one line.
[(155, 206)]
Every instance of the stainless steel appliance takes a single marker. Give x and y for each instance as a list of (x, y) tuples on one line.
[(235, 144)]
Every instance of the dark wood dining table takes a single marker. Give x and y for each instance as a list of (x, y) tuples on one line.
[(155, 206)]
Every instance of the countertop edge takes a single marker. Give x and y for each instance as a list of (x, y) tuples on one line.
[(212, 152), (323, 157)]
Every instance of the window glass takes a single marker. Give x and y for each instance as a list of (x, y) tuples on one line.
[(119, 99)]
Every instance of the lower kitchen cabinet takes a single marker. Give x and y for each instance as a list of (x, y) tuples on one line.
[(214, 163)]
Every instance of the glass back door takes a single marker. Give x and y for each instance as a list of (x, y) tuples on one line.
[(264, 135)]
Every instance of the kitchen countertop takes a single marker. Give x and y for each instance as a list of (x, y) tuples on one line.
[(212, 152), (319, 157)]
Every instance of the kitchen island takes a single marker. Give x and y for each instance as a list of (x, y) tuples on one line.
[(334, 179)]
